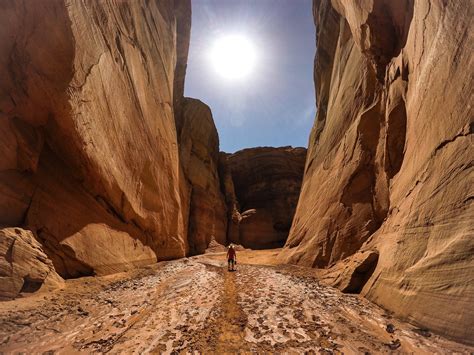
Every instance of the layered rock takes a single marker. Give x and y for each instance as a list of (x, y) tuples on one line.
[(90, 158), (24, 267), (199, 154), (262, 194), (389, 170)]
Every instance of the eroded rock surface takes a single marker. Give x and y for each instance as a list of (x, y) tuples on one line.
[(90, 158), (24, 267), (390, 157), (266, 183), (199, 153), (256, 309)]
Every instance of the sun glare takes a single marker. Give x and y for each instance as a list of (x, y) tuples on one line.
[(233, 57)]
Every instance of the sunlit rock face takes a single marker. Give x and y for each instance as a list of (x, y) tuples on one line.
[(266, 183), (389, 165), (199, 154), (90, 159), (24, 267)]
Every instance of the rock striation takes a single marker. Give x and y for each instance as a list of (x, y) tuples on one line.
[(199, 156), (387, 194), (262, 186), (90, 160), (24, 267), (105, 163)]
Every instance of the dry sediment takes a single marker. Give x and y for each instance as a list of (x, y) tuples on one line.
[(196, 305)]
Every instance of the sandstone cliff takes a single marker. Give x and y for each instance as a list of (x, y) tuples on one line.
[(388, 184), (90, 159), (199, 154), (262, 186)]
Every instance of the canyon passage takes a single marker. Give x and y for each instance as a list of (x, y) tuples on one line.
[(196, 305), (117, 204)]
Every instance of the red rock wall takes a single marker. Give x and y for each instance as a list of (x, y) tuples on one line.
[(199, 154), (390, 157), (266, 183), (90, 159)]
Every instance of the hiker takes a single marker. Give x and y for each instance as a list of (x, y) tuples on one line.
[(231, 258)]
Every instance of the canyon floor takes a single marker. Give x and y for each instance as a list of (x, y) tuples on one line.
[(196, 305)]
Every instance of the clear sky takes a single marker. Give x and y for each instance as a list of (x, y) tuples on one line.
[(274, 104)]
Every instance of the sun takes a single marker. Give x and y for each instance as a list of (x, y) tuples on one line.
[(233, 57)]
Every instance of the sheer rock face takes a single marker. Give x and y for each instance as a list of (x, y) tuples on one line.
[(199, 153), (390, 157), (266, 183), (24, 267), (232, 204), (90, 158)]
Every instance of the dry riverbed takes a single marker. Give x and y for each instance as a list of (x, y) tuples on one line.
[(195, 305)]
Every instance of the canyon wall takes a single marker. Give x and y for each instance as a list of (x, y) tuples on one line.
[(199, 156), (90, 160), (105, 165), (387, 196), (262, 187)]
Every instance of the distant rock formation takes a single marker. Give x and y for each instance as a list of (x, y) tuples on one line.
[(262, 186), (388, 185), (90, 159)]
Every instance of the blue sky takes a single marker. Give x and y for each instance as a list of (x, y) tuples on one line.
[(275, 104)]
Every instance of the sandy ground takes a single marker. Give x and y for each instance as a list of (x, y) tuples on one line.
[(196, 306)]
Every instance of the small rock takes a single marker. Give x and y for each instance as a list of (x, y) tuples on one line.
[(82, 312), (394, 344), (390, 328), (118, 324), (422, 331)]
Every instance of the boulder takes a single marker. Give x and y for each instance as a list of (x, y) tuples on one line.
[(351, 274), (24, 266)]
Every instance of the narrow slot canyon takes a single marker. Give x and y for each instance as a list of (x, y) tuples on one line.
[(327, 143)]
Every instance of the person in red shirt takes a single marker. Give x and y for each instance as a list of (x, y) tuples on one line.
[(231, 258)]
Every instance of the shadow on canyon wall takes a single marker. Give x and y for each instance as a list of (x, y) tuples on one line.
[(108, 167)]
